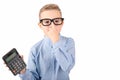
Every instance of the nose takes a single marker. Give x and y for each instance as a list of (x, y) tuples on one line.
[(52, 25)]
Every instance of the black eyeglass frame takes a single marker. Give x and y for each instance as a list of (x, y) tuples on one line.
[(52, 20)]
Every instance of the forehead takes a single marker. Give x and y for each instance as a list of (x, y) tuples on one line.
[(50, 14)]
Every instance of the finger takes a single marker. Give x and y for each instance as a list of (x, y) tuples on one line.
[(7, 67), (23, 71), (22, 56), (5, 64), (53, 28)]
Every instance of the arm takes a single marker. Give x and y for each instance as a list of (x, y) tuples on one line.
[(31, 72), (64, 51)]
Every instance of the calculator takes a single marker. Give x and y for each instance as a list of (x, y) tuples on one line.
[(14, 61)]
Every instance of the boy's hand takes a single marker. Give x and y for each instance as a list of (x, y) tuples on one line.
[(23, 71), (53, 34)]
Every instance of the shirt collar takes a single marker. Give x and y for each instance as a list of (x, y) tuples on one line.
[(48, 40)]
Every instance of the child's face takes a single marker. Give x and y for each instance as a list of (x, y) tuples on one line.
[(47, 25)]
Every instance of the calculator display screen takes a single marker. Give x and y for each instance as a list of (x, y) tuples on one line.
[(11, 57)]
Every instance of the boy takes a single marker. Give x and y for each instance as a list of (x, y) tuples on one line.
[(53, 57)]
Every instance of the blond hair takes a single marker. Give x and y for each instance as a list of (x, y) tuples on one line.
[(50, 7)]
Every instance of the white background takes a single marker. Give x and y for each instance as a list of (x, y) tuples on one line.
[(94, 25)]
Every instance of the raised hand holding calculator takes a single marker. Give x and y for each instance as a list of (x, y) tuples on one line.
[(14, 61)]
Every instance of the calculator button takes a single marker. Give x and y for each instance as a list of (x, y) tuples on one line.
[(16, 65)]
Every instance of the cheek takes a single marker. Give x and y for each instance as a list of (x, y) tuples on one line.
[(59, 29), (45, 28)]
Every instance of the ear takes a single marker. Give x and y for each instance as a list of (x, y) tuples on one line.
[(40, 25), (62, 24)]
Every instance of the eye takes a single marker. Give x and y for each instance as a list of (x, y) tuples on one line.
[(46, 22), (58, 21)]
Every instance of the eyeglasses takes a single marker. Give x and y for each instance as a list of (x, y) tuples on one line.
[(47, 21)]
